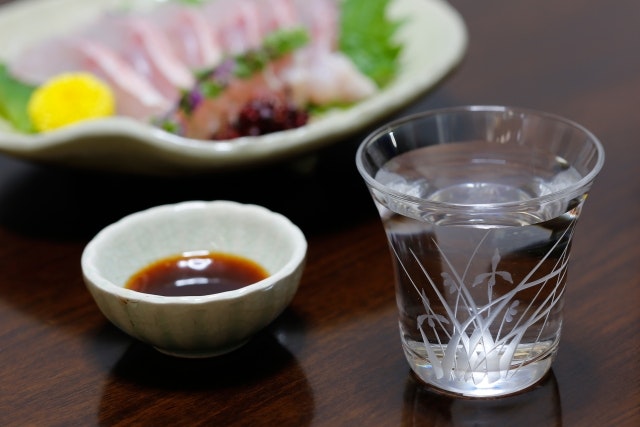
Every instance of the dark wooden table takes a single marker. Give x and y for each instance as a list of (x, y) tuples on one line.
[(334, 357)]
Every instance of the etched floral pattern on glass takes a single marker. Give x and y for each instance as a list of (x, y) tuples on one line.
[(479, 318)]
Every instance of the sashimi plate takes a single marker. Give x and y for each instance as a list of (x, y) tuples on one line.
[(434, 39)]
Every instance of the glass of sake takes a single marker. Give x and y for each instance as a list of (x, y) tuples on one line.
[(479, 205)]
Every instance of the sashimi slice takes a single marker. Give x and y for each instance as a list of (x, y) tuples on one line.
[(189, 34), (321, 18), (135, 97), (321, 77), (143, 45), (39, 62), (276, 15), (235, 24)]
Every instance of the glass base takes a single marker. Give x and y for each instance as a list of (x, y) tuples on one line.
[(482, 384)]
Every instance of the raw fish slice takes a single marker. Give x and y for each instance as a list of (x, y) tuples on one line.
[(39, 62), (135, 97), (320, 77), (189, 35), (166, 65), (235, 24), (276, 15), (143, 45), (319, 74), (241, 25), (321, 19)]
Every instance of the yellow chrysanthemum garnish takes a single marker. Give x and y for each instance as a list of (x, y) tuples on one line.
[(69, 98)]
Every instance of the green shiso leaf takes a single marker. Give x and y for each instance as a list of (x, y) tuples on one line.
[(367, 37), (14, 97), (282, 42)]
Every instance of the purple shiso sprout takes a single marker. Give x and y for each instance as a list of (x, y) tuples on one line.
[(194, 98), (223, 72)]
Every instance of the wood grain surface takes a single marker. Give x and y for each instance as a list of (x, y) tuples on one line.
[(333, 358)]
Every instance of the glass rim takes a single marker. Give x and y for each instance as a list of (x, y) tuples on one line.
[(568, 192)]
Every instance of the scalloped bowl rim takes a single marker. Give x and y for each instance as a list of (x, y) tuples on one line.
[(92, 252)]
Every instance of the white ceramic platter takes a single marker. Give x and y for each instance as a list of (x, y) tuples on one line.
[(434, 38)]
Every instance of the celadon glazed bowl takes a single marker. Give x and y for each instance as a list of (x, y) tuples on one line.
[(195, 326)]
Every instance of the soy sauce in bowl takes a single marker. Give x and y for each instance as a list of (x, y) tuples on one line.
[(197, 274)]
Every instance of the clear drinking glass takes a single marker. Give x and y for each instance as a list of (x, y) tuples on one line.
[(479, 205)]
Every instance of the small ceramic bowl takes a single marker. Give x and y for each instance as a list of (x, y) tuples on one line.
[(195, 326)]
